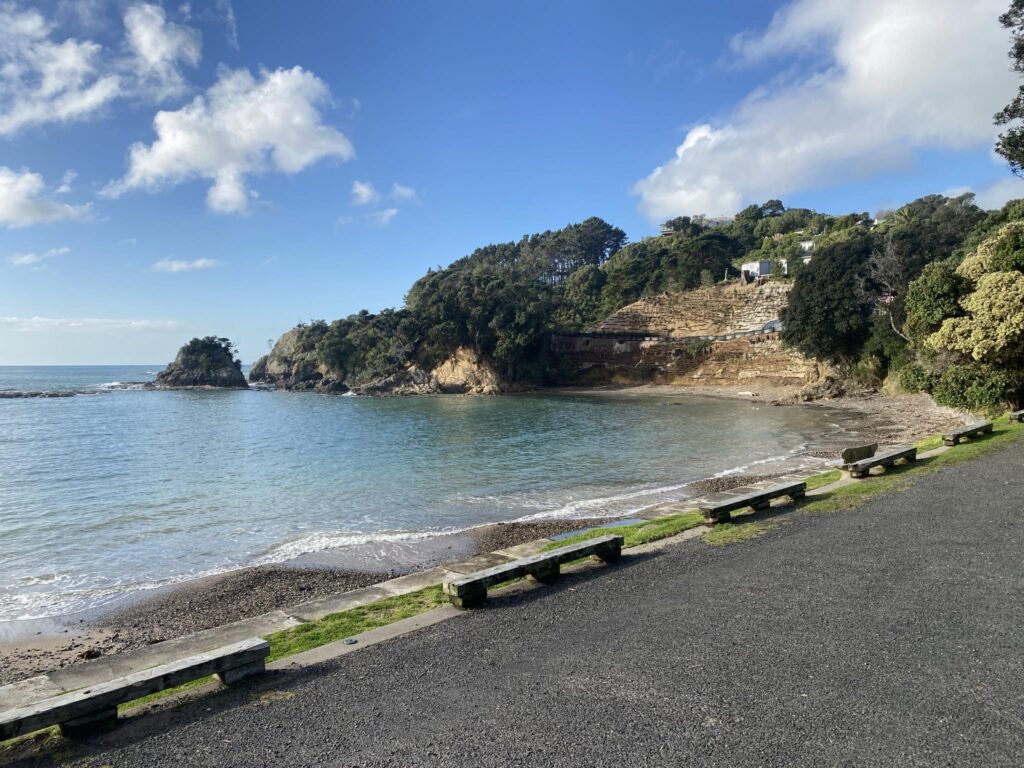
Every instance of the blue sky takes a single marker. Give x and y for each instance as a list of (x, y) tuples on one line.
[(460, 123)]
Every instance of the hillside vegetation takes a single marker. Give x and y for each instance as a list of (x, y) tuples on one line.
[(926, 293)]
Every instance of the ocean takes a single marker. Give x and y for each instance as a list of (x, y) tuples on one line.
[(107, 494)]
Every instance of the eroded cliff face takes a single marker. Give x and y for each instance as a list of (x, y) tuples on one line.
[(463, 373), (749, 363), (687, 339), (716, 311)]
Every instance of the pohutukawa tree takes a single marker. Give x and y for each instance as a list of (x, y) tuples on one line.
[(1011, 142)]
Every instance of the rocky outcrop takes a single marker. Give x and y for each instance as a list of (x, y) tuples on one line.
[(207, 362), (288, 367), (466, 373)]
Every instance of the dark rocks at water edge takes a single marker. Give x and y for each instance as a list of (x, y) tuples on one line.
[(206, 362), (14, 394)]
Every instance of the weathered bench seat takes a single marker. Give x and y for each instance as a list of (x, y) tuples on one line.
[(972, 430), (885, 458), (470, 591), (718, 508), (94, 709)]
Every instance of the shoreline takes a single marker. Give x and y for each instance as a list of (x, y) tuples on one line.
[(142, 618)]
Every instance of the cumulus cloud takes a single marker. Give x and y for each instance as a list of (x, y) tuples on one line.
[(28, 259), (180, 265), (242, 126), (880, 82), (85, 324), (46, 79), (22, 201), (363, 193), (402, 193)]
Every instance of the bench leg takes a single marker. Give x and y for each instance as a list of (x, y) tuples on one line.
[(473, 599), (546, 573), (90, 725), (761, 505), (232, 676), (950, 442), (711, 518), (609, 555)]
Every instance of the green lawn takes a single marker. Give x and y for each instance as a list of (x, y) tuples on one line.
[(639, 533)]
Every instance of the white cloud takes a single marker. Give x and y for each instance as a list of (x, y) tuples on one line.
[(27, 259), (66, 182), (228, 13), (179, 265), (402, 193), (22, 203), (159, 47), (886, 81), (85, 324), (382, 218), (363, 193), (44, 79), (240, 127), (993, 195)]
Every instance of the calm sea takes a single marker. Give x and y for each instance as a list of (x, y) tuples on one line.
[(107, 494)]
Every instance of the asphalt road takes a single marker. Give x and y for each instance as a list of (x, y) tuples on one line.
[(890, 635)]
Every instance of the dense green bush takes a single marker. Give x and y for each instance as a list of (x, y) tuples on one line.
[(914, 378), (974, 387)]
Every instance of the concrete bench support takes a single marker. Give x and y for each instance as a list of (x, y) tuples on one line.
[(718, 509), (94, 709), (470, 591), (953, 438), (1017, 416), (886, 458)]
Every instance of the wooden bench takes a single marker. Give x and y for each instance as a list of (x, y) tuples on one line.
[(1017, 416), (718, 510), (972, 430), (886, 458), (94, 709), (470, 591)]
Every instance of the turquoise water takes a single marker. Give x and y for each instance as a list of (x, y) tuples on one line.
[(104, 495)]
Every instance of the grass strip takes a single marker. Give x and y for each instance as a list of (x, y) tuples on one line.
[(730, 533), (897, 479), (825, 478), (338, 626), (639, 533)]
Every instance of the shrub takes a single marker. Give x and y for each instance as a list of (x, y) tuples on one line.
[(915, 379), (974, 387)]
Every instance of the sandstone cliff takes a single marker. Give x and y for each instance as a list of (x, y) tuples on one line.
[(464, 373), (712, 311), (670, 339)]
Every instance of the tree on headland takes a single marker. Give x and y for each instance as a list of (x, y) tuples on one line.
[(1011, 142)]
